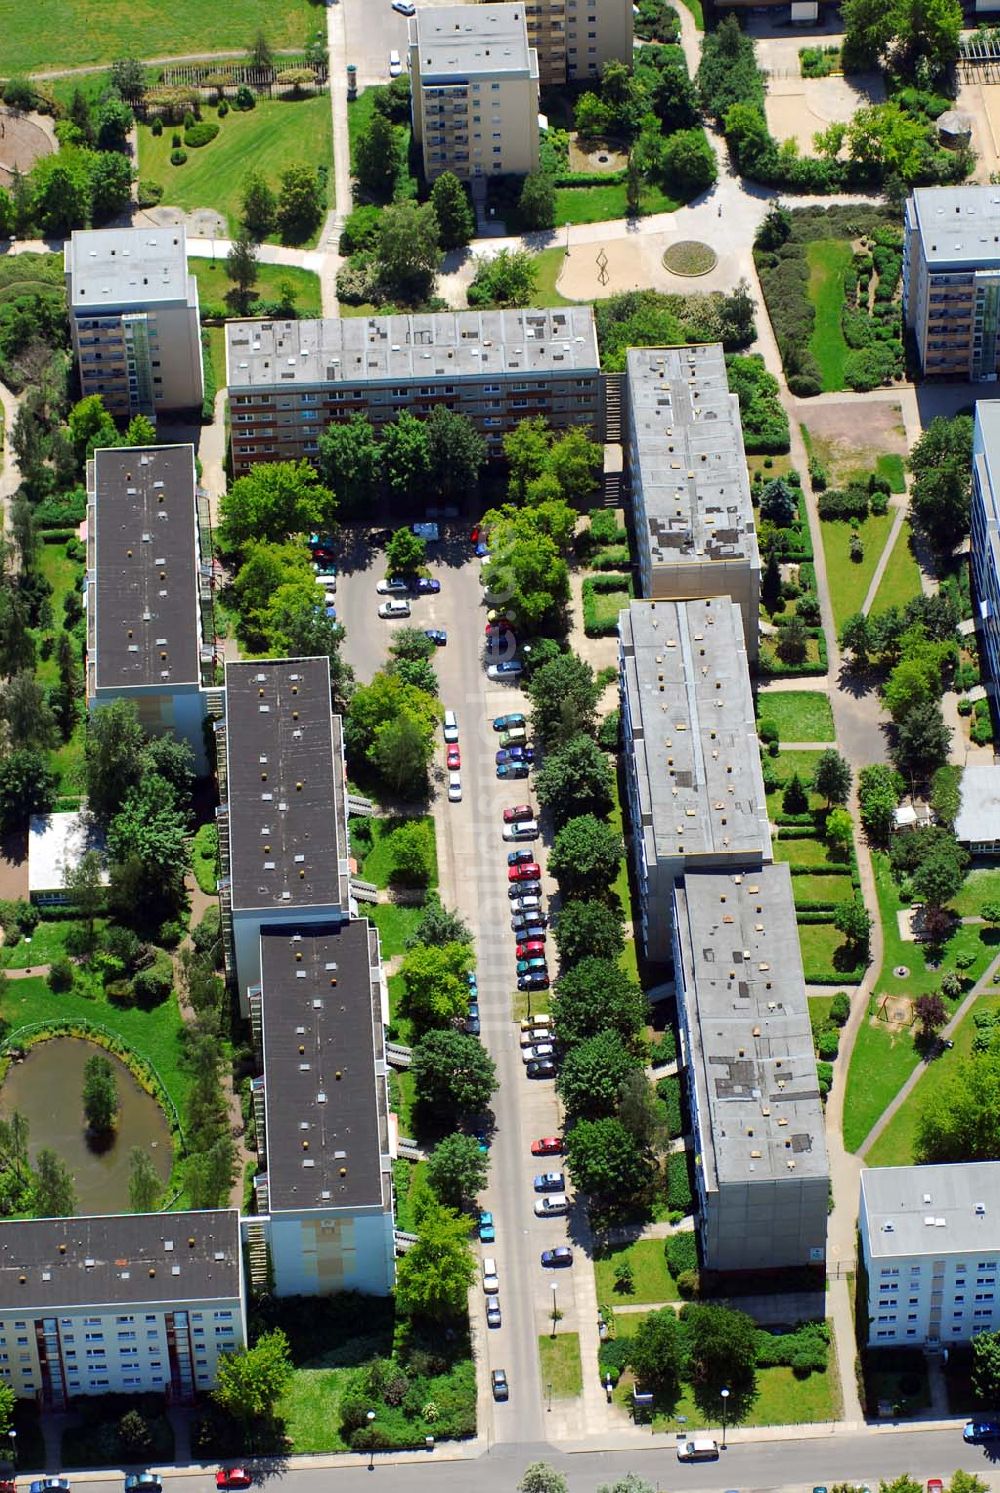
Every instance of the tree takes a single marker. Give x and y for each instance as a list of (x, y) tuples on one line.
[(141, 431), (722, 1353), (144, 1186), (778, 504), (839, 830), (507, 279), (26, 713), (922, 741), (84, 884), (406, 459), (411, 851), (539, 1477), (439, 925), (127, 77), (112, 757), (260, 208), (605, 1161), (963, 1122), (575, 778), (100, 1094), (452, 1073), (588, 929), (794, 799), (941, 463), (832, 777), (14, 1144), (879, 790), (408, 252), (62, 196), (564, 695), (597, 995), (576, 462), (114, 121), (275, 500), (91, 426), (656, 1352), (585, 855), (434, 1275), (456, 451), (526, 451), (148, 849), (300, 204), (931, 1011), (434, 982), (392, 723), (405, 552), (349, 461), (241, 267), (592, 1073), (537, 202), (54, 1193), (251, 1381), (27, 786), (853, 920), (986, 1366), (376, 159), (793, 640), (937, 879), (134, 1436), (688, 161), (526, 573), (456, 220), (917, 38), (457, 1170)]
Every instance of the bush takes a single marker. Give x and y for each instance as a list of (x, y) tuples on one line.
[(178, 157), (663, 1049), (149, 193), (612, 1358), (156, 128), (679, 1193), (805, 1351), (223, 108), (594, 625), (244, 98), (817, 474), (828, 1043), (669, 1091), (197, 135), (60, 977), (681, 1251), (840, 1008), (768, 731), (175, 139), (824, 1077)]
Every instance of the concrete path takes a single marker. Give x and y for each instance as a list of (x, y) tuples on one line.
[(898, 519)]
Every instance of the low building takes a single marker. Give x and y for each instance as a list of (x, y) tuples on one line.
[(977, 824), (57, 844), (121, 1304), (134, 319), (326, 1148), (761, 1171), (695, 787), (984, 553), (282, 817), (150, 627), (289, 379), (930, 1246), (474, 91), (951, 280), (686, 481)]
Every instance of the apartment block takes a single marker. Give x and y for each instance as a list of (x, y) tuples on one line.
[(695, 788), (289, 379), (761, 1171), (150, 625), (282, 807), (930, 1245), (323, 1131), (686, 480), (474, 82), (575, 38), (120, 1304), (985, 542), (951, 280), (133, 314)]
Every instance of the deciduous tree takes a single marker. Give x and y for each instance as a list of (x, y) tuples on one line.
[(54, 1193), (453, 1074), (349, 460), (434, 981), (592, 1073), (260, 208), (833, 777), (537, 202), (408, 252), (241, 267), (456, 452), (585, 856), (27, 786), (100, 1094), (112, 757), (456, 220), (575, 778), (376, 159), (457, 1170), (144, 1186), (588, 929), (406, 457), (605, 1161), (433, 1276), (275, 500), (564, 695), (597, 995), (300, 204), (656, 1352), (251, 1381), (722, 1353)]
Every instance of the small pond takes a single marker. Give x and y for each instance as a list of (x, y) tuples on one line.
[(47, 1088)]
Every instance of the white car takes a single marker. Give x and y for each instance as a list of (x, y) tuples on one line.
[(404, 7), (394, 608), (541, 1050), (552, 1205), (328, 583), (535, 1034), (450, 726), (392, 586), (491, 1281), (525, 829), (395, 64), (455, 788), (509, 669), (528, 1023)]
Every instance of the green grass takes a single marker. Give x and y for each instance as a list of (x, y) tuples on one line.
[(652, 1280), (213, 283), (629, 960), (61, 573), (53, 34), (47, 944), (377, 864), (694, 6), (359, 115), (800, 715), (597, 204), (20, 272), (827, 260), (809, 890), (310, 1409), (849, 579), (824, 956), (980, 886), (819, 1011), (548, 267), (275, 135), (562, 1372), (394, 923), (804, 852), (900, 582), (205, 858), (890, 465)]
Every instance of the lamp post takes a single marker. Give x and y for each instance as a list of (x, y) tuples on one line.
[(550, 1397), (370, 1417), (725, 1406), (555, 1309), (13, 1445)]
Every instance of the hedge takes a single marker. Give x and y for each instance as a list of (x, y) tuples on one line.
[(681, 1251), (679, 1194), (669, 1090), (614, 557), (603, 585)]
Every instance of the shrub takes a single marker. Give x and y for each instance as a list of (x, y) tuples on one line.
[(817, 474), (879, 504), (840, 1008), (178, 157), (828, 1043), (679, 1182), (175, 139), (824, 1077), (156, 128), (223, 108), (768, 731), (244, 98), (60, 978), (681, 1251), (149, 193), (612, 1358), (664, 1049), (669, 1091), (197, 135)]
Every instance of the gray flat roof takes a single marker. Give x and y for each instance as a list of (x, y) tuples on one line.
[(144, 588), (932, 1210), (687, 692), (285, 786), (959, 226), (466, 41), (752, 1055), (127, 1259), (978, 816), (111, 268), (327, 1124), (425, 346), (689, 447)]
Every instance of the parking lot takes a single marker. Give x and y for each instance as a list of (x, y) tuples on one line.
[(373, 30)]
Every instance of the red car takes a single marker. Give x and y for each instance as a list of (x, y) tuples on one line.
[(502, 624), (533, 947), (526, 871), (474, 536), (232, 1477), (454, 758), (549, 1145), (519, 811)]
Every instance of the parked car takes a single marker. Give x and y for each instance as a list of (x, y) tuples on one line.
[(537, 980), (233, 1477), (525, 871), (519, 857), (496, 622), (498, 1379), (392, 585), (437, 635), (510, 668), (507, 771), (141, 1482), (394, 608), (493, 1318), (487, 1230), (983, 1428), (524, 829), (508, 722), (426, 586), (529, 947), (535, 1054), (472, 1025), (541, 1068), (516, 736), (534, 1035), (529, 925), (450, 726), (324, 567), (470, 977), (454, 788), (404, 7), (515, 754), (549, 1145), (321, 542), (552, 1207), (395, 64), (549, 1182), (50, 1485), (525, 966), (524, 889), (517, 811), (525, 904), (491, 1281), (454, 756), (552, 1259)]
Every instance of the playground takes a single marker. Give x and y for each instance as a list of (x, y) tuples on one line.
[(24, 139)]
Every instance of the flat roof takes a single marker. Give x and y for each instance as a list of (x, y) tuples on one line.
[(687, 693), (752, 1054), (978, 817), (110, 268), (958, 226), (285, 786), (688, 442), (57, 843), (465, 41), (932, 1210), (427, 345), (327, 1111), (144, 588), (125, 1259)]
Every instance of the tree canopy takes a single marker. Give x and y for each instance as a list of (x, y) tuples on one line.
[(433, 1276), (453, 1073)]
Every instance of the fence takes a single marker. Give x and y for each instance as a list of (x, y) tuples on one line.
[(237, 74)]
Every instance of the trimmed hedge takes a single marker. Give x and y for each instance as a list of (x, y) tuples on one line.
[(200, 134), (603, 585), (669, 1090), (679, 1193)]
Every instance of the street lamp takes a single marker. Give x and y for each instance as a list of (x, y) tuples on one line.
[(550, 1397), (555, 1309), (725, 1404), (370, 1417), (13, 1445)]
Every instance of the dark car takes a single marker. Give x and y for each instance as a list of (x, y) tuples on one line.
[(550, 1182), (143, 1482), (520, 857), (321, 542), (984, 1428), (553, 1259), (380, 536), (473, 1027), (537, 980), (424, 586), (508, 770), (508, 722), (50, 1485), (529, 924), (437, 635), (540, 1068), (498, 1379), (515, 754), (524, 889)]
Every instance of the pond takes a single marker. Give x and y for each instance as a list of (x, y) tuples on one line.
[(47, 1088)]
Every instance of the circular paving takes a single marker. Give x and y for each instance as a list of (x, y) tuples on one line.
[(689, 257)]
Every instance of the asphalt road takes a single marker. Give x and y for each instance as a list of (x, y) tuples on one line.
[(373, 30)]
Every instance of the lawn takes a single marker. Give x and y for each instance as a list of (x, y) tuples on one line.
[(61, 573), (694, 6), (359, 116), (597, 204), (787, 764), (849, 579), (825, 960), (213, 283), (80, 31), (376, 866), (395, 924), (605, 607), (310, 1408), (629, 960), (901, 581), (890, 466), (810, 891), (45, 946), (827, 260), (804, 852), (548, 265), (275, 135), (652, 1281), (800, 715), (562, 1372), (980, 886)]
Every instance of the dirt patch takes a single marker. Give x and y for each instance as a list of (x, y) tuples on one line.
[(596, 155), (14, 867), (895, 1010), (24, 139), (797, 107), (835, 442)]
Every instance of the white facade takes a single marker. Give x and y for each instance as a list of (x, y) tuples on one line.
[(56, 844), (314, 1253)]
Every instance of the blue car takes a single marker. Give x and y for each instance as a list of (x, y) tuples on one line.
[(986, 1428), (482, 549), (508, 722), (331, 612), (487, 1230), (471, 977), (553, 1258), (515, 754), (437, 635), (513, 770), (424, 586), (520, 857)]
